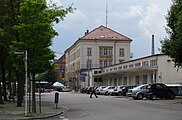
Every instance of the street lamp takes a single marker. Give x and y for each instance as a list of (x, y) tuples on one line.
[(26, 76)]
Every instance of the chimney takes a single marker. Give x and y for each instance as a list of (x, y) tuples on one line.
[(153, 50), (86, 32)]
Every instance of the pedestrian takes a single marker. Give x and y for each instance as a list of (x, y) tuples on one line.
[(93, 89)]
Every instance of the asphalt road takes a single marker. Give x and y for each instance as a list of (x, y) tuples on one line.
[(81, 107)]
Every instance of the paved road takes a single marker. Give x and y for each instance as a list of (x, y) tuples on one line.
[(81, 107)]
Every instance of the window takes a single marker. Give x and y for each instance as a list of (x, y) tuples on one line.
[(137, 78), (144, 79), (105, 63), (89, 51), (115, 81), (95, 79), (121, 52), (146, 63), (110, 51), (100, 79), (120, 67), (153, 62), (124, 67), (110, 82), (131, 65), (105, 51), (120, 81), (125, 80), (137, 64)]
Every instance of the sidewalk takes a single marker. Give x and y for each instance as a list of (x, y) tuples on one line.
[(9, 111)]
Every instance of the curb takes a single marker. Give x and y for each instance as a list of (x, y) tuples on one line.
[(34, 118), (49, 116)]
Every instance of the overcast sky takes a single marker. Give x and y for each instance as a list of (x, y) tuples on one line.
[(136, 19)]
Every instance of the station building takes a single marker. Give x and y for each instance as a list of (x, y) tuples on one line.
[(102, 57), (158, 68)]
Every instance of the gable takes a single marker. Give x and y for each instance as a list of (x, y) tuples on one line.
[(103, 33)]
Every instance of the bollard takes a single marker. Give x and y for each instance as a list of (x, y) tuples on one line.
[(56, 99)]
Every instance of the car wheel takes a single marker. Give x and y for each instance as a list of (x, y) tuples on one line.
[(171, 96), (106, 93), (140, 96), (153, 97)]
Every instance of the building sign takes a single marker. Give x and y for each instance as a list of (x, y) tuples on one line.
[(75, 79)]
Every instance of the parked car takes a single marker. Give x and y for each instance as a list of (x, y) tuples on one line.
[(138, 92), (88, 90), (177, 88), (126, 88), (105, 90), (111, 91), (118, 90), (99, 89), (159, 90), (66, 89)]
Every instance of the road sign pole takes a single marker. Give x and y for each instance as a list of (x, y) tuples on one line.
[(26, 77)]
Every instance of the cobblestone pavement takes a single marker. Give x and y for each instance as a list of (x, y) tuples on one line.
[(9, 111)]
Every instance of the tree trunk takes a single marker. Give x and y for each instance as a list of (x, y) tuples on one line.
[(9, 79), (4, 83), (19, 101), (3, 72), (1, 99)]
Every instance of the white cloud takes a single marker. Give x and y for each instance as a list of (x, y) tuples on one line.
[(153, 20), (135, 19)]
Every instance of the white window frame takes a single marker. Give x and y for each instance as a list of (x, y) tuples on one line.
[(121, 52)]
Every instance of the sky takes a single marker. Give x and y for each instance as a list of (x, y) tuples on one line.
[(136, 19)]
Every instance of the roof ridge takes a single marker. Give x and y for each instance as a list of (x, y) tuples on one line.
[(108, 31), (91, 31)]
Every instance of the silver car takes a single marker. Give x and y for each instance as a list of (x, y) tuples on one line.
[(138, 92), (99, 89)]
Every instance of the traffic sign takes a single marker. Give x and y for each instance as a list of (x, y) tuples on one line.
[(19, 53)]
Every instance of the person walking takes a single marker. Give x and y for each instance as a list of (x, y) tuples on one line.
[(93, 91)]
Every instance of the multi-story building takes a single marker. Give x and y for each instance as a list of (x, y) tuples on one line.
[(61, 68), (157, 68), (98, 48)]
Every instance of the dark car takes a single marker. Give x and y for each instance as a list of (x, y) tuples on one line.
[(159, 90)]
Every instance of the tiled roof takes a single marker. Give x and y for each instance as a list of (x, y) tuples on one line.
[(104, 33)]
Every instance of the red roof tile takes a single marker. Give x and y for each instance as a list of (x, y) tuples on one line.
[(103, 33)]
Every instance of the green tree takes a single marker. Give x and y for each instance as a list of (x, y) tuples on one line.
[(36, 32), (7, 20), (172, 45)]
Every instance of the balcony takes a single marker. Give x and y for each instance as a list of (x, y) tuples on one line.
[(105, 57)]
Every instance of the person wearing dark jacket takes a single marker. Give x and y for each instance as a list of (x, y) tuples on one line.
[(93, 89)]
